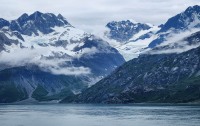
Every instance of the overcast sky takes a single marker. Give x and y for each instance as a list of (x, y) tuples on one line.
[(91, 14)]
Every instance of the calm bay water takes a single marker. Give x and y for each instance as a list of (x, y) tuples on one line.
[(99, 115)]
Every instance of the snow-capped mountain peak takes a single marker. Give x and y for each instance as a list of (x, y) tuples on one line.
[(124, 30)]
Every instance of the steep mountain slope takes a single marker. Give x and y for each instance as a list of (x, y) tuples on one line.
[(42, 55), (172, 77), (183, 22), (187, 19)]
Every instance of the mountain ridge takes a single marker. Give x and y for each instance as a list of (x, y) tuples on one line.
[(29, 24)]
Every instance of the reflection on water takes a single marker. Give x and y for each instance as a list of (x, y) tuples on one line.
[(98, 115)]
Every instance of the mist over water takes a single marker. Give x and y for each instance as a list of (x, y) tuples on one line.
[(98, 115)]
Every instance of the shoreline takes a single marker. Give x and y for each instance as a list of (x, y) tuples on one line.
[(128, 104)]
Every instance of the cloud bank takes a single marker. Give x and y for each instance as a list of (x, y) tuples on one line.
[(175, 43), (39, 56)]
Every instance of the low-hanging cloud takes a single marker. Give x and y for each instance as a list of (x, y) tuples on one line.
[(175, 43), (182, 49), (17, 57)]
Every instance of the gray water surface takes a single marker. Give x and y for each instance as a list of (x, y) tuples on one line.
[(99, 115)]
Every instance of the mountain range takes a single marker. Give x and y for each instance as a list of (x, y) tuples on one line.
[(44, 58), (166, 71)]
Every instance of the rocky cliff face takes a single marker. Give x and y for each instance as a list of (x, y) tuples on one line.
[(34, 23), (123, 31), (129, 37)]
